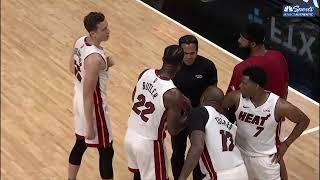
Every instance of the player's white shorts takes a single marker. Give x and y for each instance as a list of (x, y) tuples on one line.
[(101, 126), (146, 156), (237, 173), (261, 167)]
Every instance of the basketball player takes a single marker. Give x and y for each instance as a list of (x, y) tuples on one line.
[(258, 115), (157, 105), (273, 62), (92, 124), (212, 138)]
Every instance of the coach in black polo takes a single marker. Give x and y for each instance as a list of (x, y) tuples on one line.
[(195, 75)]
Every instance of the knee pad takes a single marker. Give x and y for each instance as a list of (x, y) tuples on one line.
[(77, 152), (105, 162)]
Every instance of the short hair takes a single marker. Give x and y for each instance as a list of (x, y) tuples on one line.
[(91, 21), (188, 39), (256, 74), (254, 32), (213, 93), (173, 55)]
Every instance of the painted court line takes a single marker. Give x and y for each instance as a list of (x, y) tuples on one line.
[(308, 131), (216, 46)]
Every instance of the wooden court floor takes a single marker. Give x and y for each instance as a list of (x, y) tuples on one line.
[(36, 87)]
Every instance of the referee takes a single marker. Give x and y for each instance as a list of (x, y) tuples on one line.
[(196, 74)]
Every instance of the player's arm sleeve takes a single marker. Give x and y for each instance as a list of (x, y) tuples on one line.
[(197, 119), (196, 122)]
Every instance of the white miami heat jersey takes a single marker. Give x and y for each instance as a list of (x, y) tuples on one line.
[(148, 116), (81, 51), (220, 147), (258, 130)]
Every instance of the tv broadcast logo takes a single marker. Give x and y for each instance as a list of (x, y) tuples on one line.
[(308, 9)]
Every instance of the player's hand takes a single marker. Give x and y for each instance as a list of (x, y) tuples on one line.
[(109, 61), (282, 149), (90, 134)]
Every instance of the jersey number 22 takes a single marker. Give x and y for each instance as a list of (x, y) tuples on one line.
[(149, 107)]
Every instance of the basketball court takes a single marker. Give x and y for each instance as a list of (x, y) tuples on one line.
[(37, 88)]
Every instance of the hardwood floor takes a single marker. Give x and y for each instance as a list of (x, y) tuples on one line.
[(36, 87)]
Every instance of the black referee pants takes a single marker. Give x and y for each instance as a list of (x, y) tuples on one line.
[(179, 144)]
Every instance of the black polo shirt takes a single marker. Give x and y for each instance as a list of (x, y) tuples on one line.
[(193, 80)]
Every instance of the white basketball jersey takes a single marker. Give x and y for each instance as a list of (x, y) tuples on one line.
[(220, 146), (258, 130), (81, 51), (148, 117)]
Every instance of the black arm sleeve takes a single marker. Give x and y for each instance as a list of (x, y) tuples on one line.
[(197, 119)]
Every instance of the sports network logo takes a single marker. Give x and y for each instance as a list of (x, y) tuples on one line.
[(301, 10)]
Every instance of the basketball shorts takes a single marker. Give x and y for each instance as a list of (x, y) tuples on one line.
[(261, 167), (146, 156), (236, 173), (101, 125)]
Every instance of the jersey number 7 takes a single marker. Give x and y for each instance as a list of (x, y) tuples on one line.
[(149, 107), (260, 129)]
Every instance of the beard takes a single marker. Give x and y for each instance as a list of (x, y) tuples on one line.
[(244, 52)]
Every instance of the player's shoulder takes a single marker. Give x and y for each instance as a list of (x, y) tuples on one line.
[(95, 56), (172, 98), (232, 98), (173, 93), (234, 93), (79, 39), (243, 64), (197, 119), (274, 53), (199, 114), (282, 103), (94, 59), (200, 110), (142, 73), (82, 37)]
